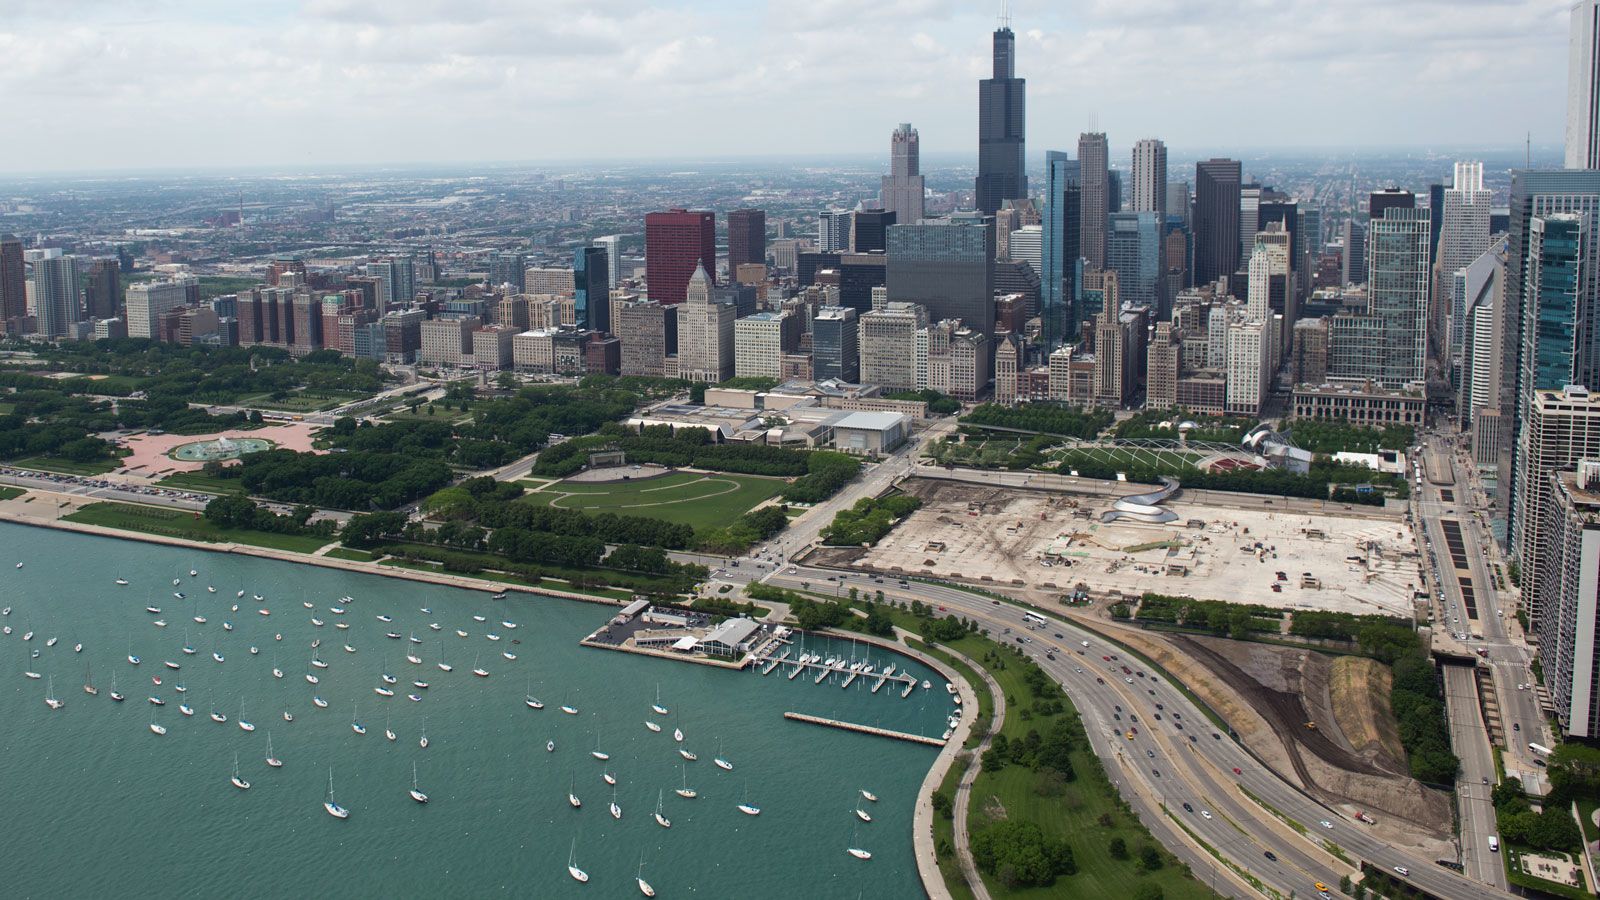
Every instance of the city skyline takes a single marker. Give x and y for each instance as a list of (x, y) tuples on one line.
[(1409, 71)]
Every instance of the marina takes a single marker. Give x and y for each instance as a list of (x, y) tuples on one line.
[(155, 784)]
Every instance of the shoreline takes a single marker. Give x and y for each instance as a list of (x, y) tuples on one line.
[(465, 582)]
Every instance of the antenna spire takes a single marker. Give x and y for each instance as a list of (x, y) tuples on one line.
[(1005, 13)]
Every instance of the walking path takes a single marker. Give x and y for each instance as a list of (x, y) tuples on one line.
[(963, 798)]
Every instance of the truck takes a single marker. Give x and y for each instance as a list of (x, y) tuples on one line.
[(1483, 652)]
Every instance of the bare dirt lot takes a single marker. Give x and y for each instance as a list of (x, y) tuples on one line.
[(1246, 550)]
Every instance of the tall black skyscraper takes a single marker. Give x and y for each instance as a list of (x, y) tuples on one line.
[(592, 290), (1216, 219), (1002, 125)]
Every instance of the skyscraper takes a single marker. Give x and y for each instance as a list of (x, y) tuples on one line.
[(1058, 255), (747, 239), (1583, 87), (104, 290), (675, 243), (1560, 428), (55, 294), (506, 267), (1095, 198), (946, 266), (1150, 177), (835, 344), (1133, 251), (1389, 198), (396, 280), (869, 230), (902, 189), (591, 290), (1463, 236), (833, 230), (612, 244), (13, 280), (705, 330), (1387, 342), (1002, 128), (1216, 219), (148, 301), (1353, 265), (1570, 598)]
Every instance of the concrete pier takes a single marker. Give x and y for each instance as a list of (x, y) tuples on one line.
[(865, 729)]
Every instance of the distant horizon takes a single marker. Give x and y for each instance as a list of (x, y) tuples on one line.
[(943, 159)]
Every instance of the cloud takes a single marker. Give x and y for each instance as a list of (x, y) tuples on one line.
[(186, 82)]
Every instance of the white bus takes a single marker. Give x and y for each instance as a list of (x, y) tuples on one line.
[(1035, 619), (1540, 749)]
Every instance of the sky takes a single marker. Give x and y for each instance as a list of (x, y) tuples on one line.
[(109, 85)]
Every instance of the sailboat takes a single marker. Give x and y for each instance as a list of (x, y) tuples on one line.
[(423, 743), (609, 778), (478, 670), (719, 760), (186, 709), (577, 874), (616, 811), (88, 681), (745, 805), (238, 782), (869, 795), (689, 757), (50, 698), (244, 724), (644, 886), (132, 660), (550, 746), (661, 820), (188, 648), (355, 722), (652, 726), (416, 795), (319, 703), (572, 794), (217, 717), (685, 792), (443, 666), (276, 672), (569, 709), (863, 815), (316, 660), (334, 809), (156, 727), (532, 701), (30, 672), (272, 761), (114, 694), (656, 707), (122, 581), (596, 752)]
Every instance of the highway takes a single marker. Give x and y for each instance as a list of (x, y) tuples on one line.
[(1199, 771)]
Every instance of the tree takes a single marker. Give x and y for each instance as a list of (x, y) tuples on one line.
[(1148, 891), (942, 805), (1344, 884), (1118, 848), (1149, 858), (1019, 854)]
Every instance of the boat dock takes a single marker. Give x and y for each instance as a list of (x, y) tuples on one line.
[(770, 663), (866, 729)]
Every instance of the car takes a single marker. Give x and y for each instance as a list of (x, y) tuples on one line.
[(1516, 726), (1106, 658), (1078, 669), (1160, 706), (1205, 814), (1402, 870), (1128, 680), (1236, 771), (1178, 725), (1058, 636), (1150, 753), (1321, 886), (1099, 680), (1271, 856), (995, 602), (1133, 717), (1188, 808), (1151, 693), (1194, 739), (1117, 716), (1216, 736), (1156, 772), (1325, 823)]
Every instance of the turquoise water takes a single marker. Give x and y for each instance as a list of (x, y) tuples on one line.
[(96, 804)]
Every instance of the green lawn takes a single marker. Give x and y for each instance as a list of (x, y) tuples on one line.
[(67, 466), (441, 414), (199, 481), (302, 401), (347, 553), (1075, 814), (11, 493), (698, 500), (507, 578), (183, 524)]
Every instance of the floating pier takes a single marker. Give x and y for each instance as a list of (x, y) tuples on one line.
[(866, 729)]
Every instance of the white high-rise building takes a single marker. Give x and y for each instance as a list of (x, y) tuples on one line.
[(1027, 245), (1562, 427), (1247, 367), (833, 230), (1463, 237), (613, 247), (1583, 87), (1149, 177), (894, 346), (705, 332), (55, 295), (1569, 638), (147, 301), (1269, 266)]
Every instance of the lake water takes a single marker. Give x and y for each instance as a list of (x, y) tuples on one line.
[(96, 804)]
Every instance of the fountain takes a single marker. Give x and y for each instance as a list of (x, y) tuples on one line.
[(221, 448)]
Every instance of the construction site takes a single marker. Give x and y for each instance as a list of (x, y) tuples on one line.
[(1119, 538)]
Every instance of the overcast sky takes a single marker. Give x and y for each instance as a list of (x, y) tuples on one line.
[(116, 84)]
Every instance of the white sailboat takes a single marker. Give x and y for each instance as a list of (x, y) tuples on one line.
[(478, 670), (532, 701), (863, 815), (745, 806), (416, 794), (661, 820), (652, 726), (869, 795), (122, 581), (88, 681), (388, 727), (319, 703), (333, 808), (443, 666), (608, 778), (238, 782), (855, 851), (577, 874), (355, 720), (423, 743), (616, 811), (272, 761), (244, 724), (155, 727), (115, 695), (721, 762), (50, 698), (685, 792), (550, 746), (572, 794), (644, 886), (656, 707), (596, 752), (688, 757)]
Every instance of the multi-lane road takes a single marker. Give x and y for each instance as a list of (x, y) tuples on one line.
[(1197, 764)]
